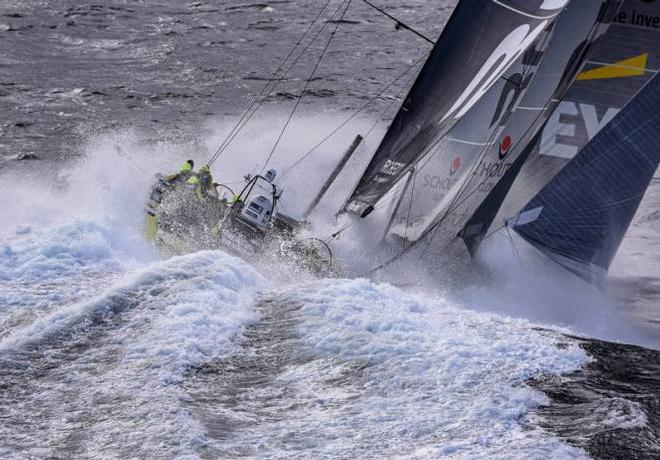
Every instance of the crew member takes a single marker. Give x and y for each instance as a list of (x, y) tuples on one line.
[(205, 180), (214, 191), (184, 173), (193, 183)]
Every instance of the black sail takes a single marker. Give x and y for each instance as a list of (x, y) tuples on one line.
[(445, 174), (481, 40), (578, 30), (580, 217), (625, 58)]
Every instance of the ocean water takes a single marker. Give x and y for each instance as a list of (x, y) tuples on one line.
[(109, 350)]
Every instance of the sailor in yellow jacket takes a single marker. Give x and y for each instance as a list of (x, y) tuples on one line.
[(193, 183), (202, 183), (184, 173), (205, 179)]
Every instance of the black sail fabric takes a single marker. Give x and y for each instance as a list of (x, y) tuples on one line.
[(481, 40), (578, 30), (621, 61), (580, 217), (444, 178)]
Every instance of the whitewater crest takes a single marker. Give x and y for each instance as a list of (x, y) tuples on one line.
[(108, 350), (105, 372), (352, 368)]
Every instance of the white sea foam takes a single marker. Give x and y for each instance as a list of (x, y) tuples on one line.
[(142, 335), (399, 375), (81, 288), (524, 283), (424, 377)]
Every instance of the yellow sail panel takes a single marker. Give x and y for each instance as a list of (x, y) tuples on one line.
[(632, 67)]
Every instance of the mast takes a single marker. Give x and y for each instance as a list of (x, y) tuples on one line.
[(480, 42), (333, 175)]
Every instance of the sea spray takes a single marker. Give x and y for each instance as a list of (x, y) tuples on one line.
[(353, 368), (126, 351)]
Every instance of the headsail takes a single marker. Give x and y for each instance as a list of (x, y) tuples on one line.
[(578, 32), (480, 42), (452, 162), (625, 58), (580, 217)]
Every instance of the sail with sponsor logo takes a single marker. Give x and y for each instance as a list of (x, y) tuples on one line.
[(625, 58), (581, 216), (439, 177), (486, 142), (479, 44)]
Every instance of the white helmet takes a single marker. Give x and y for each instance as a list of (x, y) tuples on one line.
[(270, 175)]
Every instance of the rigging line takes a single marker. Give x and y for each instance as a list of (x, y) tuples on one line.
[(338, 232), (276, 81), (492, 232), (432, 231), (461, 197), (388, 261), (514, 247), (399, 24), (360, 110), (425, 157), (394, 257), (407, 84), (425, 161), (483, 152), (273, 77), (452, 205), (465, 197), (431, 234), (434, 226), (307, 83), (412, 245), (380, 205), (410, 203)]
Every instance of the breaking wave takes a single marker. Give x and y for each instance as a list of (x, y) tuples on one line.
[(343, 368), (114, 363), (108, 350)]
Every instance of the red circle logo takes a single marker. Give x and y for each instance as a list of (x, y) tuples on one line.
[(505, 145), (455, 165)]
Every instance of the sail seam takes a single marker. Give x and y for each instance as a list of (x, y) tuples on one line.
[(529, 15), (461, 141)]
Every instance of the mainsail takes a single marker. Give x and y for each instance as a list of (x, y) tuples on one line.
[(580, 217), (483, 147), (440, 176), (480, 42), (625, 58)]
